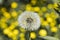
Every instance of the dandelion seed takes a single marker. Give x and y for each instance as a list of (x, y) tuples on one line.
[(29, 20)]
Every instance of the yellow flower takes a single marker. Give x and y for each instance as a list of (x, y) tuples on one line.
[(52, 24), (3, 9), (41, 19), (6, 31), (11, 35), (40, 13), (15, 23), (28, 7), (32, 35), (22, 35), (50, 6), (3, 19), (43, 32), (3, 25), (47, 15), (54, 15), (55, 5), (22, 38), (14, 38), (33, 2), (45, 23), (14, 14), (36, 9), (14, 5), (15, 32), (11, 27), (7, 15), (49, 19), (44, 9), (54, 29)]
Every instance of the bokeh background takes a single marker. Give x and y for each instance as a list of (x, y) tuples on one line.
[(48, 10)]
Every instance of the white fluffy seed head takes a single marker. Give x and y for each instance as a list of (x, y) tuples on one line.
[(29, 20)]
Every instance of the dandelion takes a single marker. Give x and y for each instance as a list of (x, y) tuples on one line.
[(29, 20)]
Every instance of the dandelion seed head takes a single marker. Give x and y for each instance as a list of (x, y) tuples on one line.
[(29, 20)]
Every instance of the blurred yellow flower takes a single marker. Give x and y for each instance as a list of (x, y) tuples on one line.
[(14, 38), (3, 25), (42, 32), (32, 35), (45, 23), (54, 29), (55, 5), (11, 27), (40, 13), (6, 31), (41, 19), (3, 19), (28, 7), (22, 38), (14, 5), (33, 2), (49, 19), (36, 9), (47, 15), (15, 23), (11, 35), (43, 9), (7, 15), (14, 14), (50, 6), (52, 24), (54, 15), (15, 32), (22, 35), (3, 9)]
